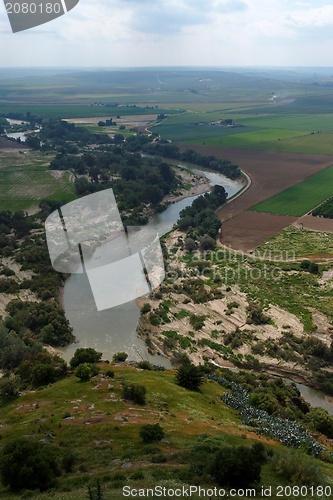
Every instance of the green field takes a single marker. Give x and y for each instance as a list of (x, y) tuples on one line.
[(83, 111), (25, 180), (189, 132), (289, 133), (301, 198), (309, 123), (262, 139)]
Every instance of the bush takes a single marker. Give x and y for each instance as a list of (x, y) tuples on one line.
[(85, 355), (43, 374), (120, 357), (321, 421), (83, 372), (197, 321), (295, 467), (135, 393), (189, 376), (151, 433), (146, 308), (29, 465), (145, 365), (238, 466), (190, 244), (256, 315), (207, 242), (109, 373), (9, 389)]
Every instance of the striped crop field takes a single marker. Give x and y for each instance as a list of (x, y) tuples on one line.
[(301, 198)]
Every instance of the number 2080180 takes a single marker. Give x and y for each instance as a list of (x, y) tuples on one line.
[(33, 8)]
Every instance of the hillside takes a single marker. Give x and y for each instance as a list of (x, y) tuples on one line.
[(93, 422)]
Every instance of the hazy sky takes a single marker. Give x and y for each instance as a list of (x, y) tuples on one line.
[(176, 33)]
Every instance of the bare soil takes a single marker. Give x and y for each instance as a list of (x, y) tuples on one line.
[(315, 223), (270, 173), (248, 230)]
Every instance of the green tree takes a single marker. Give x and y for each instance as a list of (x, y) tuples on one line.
[(29, 465), (190, 244), (207, 242), (85, 355)]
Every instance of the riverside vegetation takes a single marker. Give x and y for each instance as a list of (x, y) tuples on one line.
[(199, 425)]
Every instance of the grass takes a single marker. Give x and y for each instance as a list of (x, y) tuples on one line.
[(122, 459), (189, 414), (262, 139), (293, 242), (309, 123), (25, 180), (301, 198)]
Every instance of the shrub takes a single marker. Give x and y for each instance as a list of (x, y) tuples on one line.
[(9, 389), (43, 374), (146, 308), (298, 468), (207, 242), (83, 372), (190, 244), (29, 465), (145, 365), (238, 466), (256, 314), (135, 393), (151, 433), (120, 357), (109, 373), (189, 376), (197, 321), (314, 268), (321, 421)]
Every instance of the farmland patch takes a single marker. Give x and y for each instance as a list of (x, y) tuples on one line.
[(300, 198)]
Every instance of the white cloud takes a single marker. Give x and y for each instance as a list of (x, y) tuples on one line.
[(176, 32)]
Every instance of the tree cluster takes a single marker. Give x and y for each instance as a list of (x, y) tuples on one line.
[(200, 218), (135, 180), (45, 321), (172, 151)]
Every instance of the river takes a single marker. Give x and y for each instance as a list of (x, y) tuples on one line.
[(114, 330), (19, 135)]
